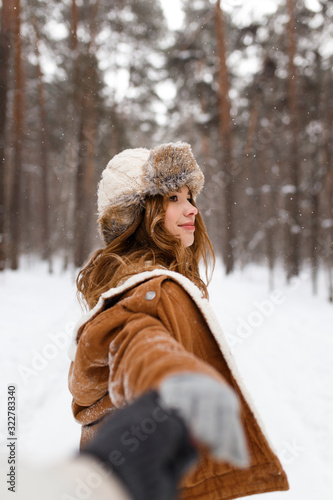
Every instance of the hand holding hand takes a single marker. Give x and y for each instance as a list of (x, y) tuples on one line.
[(211, 411)]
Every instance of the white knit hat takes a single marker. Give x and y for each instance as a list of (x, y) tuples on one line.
[(134, 174)]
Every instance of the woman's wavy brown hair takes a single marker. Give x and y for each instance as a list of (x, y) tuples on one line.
[(145, 246)]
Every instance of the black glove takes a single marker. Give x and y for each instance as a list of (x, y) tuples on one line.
[(147, 446)]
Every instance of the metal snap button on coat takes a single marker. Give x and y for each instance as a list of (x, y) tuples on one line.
[(150, 295)]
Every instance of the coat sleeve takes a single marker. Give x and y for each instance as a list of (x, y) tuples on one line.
[(132, 347)]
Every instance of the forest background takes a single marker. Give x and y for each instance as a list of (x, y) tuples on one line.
[(80, 80)]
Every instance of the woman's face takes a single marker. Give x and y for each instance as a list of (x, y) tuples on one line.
[(180, 215)]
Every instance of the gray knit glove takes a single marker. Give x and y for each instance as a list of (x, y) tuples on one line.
[(212, 413)]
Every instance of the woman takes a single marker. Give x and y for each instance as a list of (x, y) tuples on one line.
[(150, 325)]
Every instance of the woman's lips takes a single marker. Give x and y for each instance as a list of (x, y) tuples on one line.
[(188, 226)]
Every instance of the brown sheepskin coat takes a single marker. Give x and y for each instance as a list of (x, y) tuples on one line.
[(154, 325)]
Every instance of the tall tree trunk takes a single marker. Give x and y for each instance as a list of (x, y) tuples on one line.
[(84, 182), (317, 176), (15, 198), (253, 123), (328, 245), (80, 212), (314, 226), (4, 60), (74, 111), (293, 197), (45, 213), (84, 194), (326, 198), (226, 139), (74, 22), (269, 196), (205, 142)]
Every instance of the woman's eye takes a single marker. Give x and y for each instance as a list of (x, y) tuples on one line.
[(173, 198)]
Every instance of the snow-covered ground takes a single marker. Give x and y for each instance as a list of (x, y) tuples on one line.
[(282, 340)]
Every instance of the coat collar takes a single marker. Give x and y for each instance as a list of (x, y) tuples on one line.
[(131, 282)]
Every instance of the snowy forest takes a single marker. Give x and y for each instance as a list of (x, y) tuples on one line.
[(248, 83), (80, 80)]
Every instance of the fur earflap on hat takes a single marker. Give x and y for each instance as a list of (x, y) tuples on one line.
[(134, 174)]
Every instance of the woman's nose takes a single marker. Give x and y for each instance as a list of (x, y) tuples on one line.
[(190, 209)]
